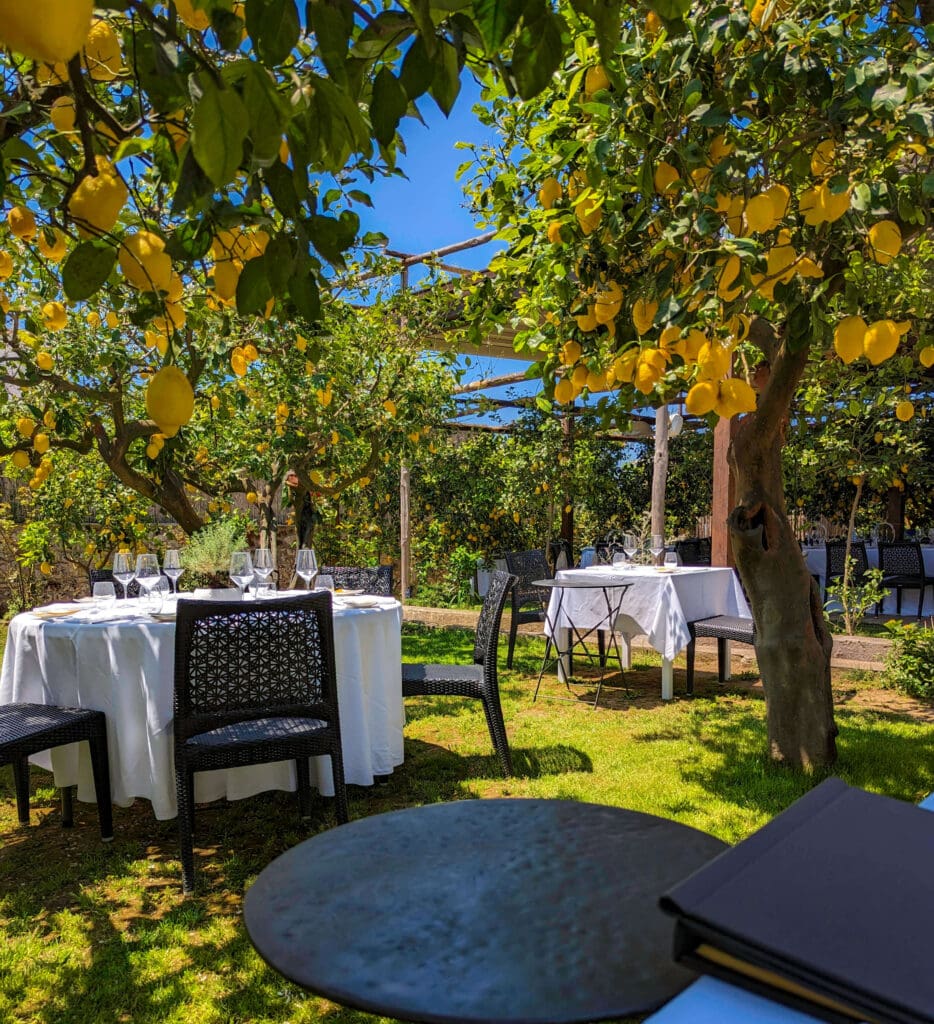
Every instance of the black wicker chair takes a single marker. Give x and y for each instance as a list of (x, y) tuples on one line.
[(528, 602), (253, 684), (375, 580), (836, 561), (723, 628), (902, 565), (478, 680), (107, 576), (27, 729), (693, 551)]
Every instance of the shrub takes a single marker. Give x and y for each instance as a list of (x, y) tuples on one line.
[(207, 554), (855, 598), (909, 666)]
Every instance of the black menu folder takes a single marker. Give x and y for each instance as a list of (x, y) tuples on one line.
[(829, 908)]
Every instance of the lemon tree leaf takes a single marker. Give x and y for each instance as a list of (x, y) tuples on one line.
[(253, 287), (218, 130), (274, 27), (86, 269), (387, 107)]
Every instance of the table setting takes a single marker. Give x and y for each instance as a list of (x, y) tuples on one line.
[(116, 655)]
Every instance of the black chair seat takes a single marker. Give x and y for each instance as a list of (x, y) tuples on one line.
[(722, 628), (27, 729), (454, 680), (726, 627), (479, 680), (908, 582), (258, 730)]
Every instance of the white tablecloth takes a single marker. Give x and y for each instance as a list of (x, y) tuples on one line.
[(125, 669), (658, 604), (816, 559)]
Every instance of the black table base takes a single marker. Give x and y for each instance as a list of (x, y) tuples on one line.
[(520, 911)]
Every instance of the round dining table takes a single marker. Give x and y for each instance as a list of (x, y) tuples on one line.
[(477, 911), (120, 660)]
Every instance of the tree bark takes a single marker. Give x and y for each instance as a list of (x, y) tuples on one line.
[(793, 645)]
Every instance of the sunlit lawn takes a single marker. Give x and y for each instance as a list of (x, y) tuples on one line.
[(101, 933)]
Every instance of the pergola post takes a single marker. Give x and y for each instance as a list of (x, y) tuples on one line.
[(567, 506), (660, 470), (724, 493), (405, 548)]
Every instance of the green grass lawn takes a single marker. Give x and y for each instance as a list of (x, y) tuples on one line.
[(95, 933)]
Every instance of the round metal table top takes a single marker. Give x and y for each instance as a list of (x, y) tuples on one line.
[(594, 584), (519, 911)]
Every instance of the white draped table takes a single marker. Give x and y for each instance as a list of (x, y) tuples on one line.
[(126, 669), (816, 559), (659, 603)]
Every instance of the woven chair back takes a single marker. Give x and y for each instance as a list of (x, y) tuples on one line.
[(836, 557), (901, 558), (107, 576), (527, 566), (235, 662), (491, 614), (694, 551), (376, 580)]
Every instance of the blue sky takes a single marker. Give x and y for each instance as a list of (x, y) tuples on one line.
[(427, 209)]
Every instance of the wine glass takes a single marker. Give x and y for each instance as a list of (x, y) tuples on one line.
[(262, 564), (630, 545), (172, 567), (306, 565), (656, 546), (123, 571), (241, 570), (147, 571)]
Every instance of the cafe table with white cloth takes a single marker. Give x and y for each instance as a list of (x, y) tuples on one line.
[(816, 558), (659, 602), (121, 661)]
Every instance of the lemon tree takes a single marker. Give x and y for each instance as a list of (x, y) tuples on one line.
[(730, 183)]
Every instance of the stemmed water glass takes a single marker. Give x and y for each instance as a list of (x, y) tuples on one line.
[(630, 545), (172, 567), (241, 570), (656, 546), (123, 571), (306, 565), (147, 573), (262, 564)]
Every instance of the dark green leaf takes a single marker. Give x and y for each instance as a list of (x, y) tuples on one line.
[(303, 289), (281, 184), (253, 288), (417, 70), (387, 106), (331, 33), (193, 184), (228, 28), (191, 240), (496, 19), (86, 269), (670, 10), (446, 83), (266, 112), (218, 130), (280, 262), (538, 52), (274, 28)]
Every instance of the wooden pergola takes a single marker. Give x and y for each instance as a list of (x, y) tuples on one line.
[(499, 344)]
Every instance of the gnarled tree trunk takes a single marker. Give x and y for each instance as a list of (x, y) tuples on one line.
[(793, 645)]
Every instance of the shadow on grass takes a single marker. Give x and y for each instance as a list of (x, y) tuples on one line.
[(431, 762)]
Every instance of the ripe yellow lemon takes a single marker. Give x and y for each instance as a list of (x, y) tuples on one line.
[(564, 391), (587, 322), (45, 361), (63, 114), (653, 24), (113, 321), (822, 159), (885, 241), (549, 193), (702, 398), (170, 400), (193, 17), (736, 396), (720, 148), (6, 265), (713, 361), (760, 213), (144, 262), (54, 316), (725, 279), (834, 204), (22, 222), (588, 215), (781, 197), (881, 341), (226, 276), (926, 356), (554, 233), (571, 352), (251, 497), (98, 200), (26, 425), (848, 338), (102, 55), (595, 79), (20, 459), (665, 177), (45, 30), (643, 314), (904, 411), (54, 250), (41, 443)]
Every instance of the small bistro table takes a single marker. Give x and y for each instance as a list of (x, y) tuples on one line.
[(476, 911), (659, 602)]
